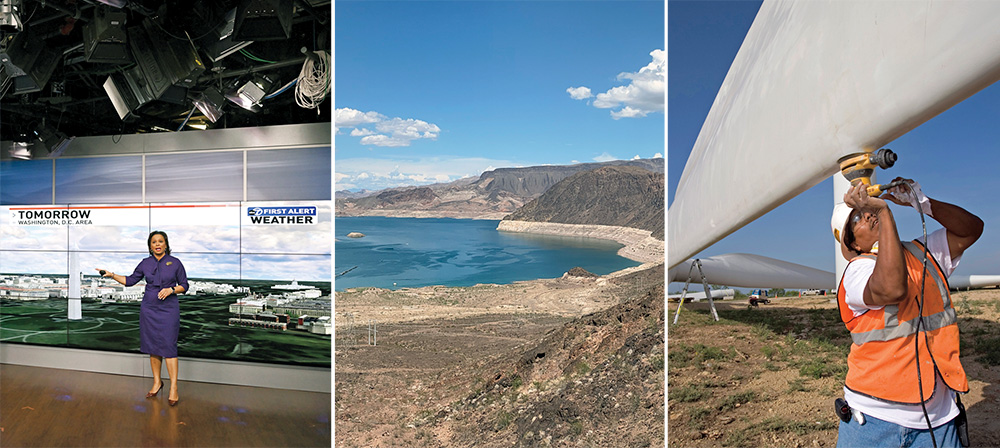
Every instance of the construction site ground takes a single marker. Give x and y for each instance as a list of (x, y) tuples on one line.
[(768, 376)]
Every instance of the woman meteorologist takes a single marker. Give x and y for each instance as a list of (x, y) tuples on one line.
[(159, 314)]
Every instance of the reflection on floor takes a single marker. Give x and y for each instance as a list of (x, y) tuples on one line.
[(57, 408)]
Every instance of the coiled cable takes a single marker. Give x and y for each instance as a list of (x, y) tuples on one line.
[(314, 81)]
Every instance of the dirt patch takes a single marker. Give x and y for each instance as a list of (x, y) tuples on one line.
[(768, 376), (544, 363)]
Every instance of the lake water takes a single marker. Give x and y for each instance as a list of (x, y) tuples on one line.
[(414, 252)]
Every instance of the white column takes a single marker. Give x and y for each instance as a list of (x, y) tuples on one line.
[(75, 308)]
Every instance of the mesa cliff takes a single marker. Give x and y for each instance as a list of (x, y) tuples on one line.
[(620, 196), (493, 195)]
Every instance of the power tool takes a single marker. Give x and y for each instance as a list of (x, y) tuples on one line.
[(859, 167)]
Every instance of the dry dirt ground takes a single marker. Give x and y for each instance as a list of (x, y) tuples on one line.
[(558, 362), (768, 376)]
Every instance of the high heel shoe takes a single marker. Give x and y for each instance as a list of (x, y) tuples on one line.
[(153, 394), (173, 402)]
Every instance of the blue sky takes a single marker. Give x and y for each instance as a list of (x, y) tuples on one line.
[(954, 156), (430, 91)]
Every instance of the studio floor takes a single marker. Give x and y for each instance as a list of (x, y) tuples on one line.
[(66, 408)]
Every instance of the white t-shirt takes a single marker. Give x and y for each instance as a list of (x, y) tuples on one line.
[(941, 407)]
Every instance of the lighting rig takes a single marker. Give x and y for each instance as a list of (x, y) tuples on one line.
[(111, 67)]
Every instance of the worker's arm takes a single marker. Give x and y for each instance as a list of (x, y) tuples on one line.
[(887, 284), (963, 227)]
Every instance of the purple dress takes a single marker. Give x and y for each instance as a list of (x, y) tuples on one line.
[(159, 320)]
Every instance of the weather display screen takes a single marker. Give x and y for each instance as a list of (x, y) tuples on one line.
[(259, 276)]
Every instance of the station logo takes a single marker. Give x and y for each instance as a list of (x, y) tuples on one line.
[(282, 215)]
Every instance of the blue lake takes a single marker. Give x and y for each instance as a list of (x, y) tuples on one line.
[(413, 252)]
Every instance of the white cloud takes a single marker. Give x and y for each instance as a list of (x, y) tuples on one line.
[(391, 132), (349, 118), (627, 112), (579, 93), (605, 157), (657, 156), (409, 128), (384, 140), (644, 94), (636, 157)]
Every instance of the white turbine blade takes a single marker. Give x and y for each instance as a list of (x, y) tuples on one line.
[(754, 271), (973, 281), (815, 81), (699, 295)]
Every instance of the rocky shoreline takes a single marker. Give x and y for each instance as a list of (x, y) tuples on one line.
[(640, 245)]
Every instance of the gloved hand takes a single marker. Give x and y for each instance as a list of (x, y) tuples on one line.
[(909, 194)]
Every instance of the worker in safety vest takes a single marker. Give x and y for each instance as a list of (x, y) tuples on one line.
[(879, 298)]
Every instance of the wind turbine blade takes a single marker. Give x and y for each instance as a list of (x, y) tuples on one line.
[(755, 271), (699, 295), (973, 281), (818, 80)]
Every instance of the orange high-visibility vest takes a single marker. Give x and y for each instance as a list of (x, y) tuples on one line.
[(883, 363)]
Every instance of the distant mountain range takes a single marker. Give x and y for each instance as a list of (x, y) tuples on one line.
[(625, 196), (493, 195)]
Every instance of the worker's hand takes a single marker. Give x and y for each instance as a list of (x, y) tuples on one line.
[(164, 293), (909, 194), (858, 199)]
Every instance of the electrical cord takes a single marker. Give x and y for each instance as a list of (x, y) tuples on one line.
[(252, 57), (181, 128), (313, 81), (920, 321), (282, 89)]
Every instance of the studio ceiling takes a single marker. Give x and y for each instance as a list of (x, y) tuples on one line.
[(85, 40)]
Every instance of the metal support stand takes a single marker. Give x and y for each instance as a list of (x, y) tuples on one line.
[(346, 334), (372, 332), (708, 291)]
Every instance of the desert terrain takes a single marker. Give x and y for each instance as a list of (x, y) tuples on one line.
[(768, 376), (570, 361)]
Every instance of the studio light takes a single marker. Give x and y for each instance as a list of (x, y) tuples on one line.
[(220, 42), (128, 91), (29, 62), (249, 95), (20, 150), (104, 37), (10, 16), (53, 140), (263, 20), (210, 103), (161, 63)]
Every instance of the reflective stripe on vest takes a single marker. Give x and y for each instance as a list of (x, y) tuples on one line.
[(894, 329), (932, 322)]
